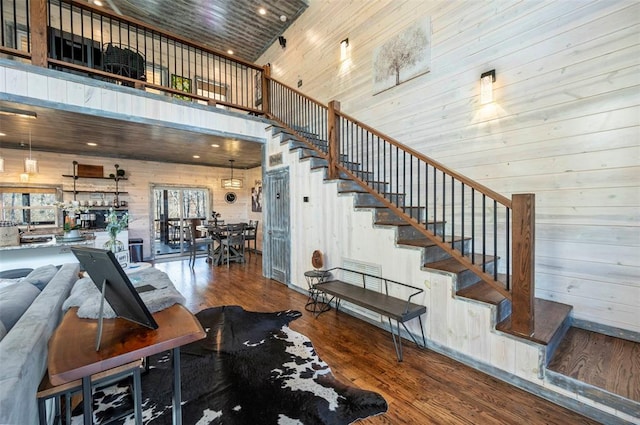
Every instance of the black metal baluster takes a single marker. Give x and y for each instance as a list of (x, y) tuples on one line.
[(495, 240)]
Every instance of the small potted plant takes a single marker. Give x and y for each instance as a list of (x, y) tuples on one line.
[(70, 225), (115, 224)]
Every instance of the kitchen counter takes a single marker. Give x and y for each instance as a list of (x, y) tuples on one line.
[(54, 242), (55, 251)]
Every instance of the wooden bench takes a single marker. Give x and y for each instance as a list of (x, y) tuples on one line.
[(399, 309)]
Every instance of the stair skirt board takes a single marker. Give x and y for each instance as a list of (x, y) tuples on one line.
[(591, 392)]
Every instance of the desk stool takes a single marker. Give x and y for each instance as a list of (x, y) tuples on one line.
[(316, 301), (46, 391)]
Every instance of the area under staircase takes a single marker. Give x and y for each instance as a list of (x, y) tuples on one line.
[(553, 320)]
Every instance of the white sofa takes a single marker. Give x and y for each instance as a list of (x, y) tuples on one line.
[(24, 348)]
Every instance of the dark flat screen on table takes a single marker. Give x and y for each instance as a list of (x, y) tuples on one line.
[(101, 265)]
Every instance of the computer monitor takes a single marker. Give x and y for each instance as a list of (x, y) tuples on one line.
[(115, 286)]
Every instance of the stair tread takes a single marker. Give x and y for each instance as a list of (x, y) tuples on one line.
[(424, 241), (482, 291), (549, 317)]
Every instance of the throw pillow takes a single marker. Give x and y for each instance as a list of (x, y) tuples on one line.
[(14, 301), (41, 276)]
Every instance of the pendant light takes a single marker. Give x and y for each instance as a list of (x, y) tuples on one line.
[(30, 164), (231, 183)]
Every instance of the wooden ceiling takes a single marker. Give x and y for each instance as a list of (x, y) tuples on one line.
[(62, 131), (219, 24)]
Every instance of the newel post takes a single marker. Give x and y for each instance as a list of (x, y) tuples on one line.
[(523, 254), (38, 27), (266, 102), (333, 122)]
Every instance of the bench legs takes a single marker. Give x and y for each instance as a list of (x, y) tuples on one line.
[(398, 344)]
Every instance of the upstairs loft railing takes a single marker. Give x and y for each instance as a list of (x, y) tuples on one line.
[(477, 226), (76, 37)]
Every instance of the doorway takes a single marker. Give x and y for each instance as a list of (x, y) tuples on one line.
[(172, 209), (276, 260)]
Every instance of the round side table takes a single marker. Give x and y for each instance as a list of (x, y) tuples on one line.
[(317, 302)]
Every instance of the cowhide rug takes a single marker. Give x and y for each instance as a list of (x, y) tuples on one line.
[(251, 369)]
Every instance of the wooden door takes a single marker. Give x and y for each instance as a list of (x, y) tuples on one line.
[(276, 253)]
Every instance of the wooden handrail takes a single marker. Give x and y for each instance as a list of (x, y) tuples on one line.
[(15, 52), (299, 93), (481, 188)]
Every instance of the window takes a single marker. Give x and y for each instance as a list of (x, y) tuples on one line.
[(29, 205)]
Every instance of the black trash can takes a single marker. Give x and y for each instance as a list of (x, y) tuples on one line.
[(135, 250)]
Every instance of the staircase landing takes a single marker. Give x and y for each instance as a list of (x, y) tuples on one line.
[(603, 361)]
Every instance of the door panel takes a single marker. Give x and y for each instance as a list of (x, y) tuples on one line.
[(277, 262)]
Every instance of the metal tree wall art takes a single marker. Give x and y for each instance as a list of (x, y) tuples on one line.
[(403, 57)]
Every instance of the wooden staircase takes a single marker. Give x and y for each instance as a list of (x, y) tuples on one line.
[(552, 319)]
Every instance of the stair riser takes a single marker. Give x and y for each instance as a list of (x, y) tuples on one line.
[(366, 200), (434, 253), (504, 310), (345, 186), (388, 216), (468, 278), (395, 198), (410, 232), (318, 163)]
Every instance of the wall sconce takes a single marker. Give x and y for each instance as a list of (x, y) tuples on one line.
[(344, 43), (232, 183), (486, 86), (24, 178), (282, 41)]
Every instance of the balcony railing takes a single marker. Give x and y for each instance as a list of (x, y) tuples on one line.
[(77, 37)]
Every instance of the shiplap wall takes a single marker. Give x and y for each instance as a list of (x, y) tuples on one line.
[(141, 175), (565, 123)]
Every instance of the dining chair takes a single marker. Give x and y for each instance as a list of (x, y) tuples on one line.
[(233, 244), (250, 234), (194, 241)]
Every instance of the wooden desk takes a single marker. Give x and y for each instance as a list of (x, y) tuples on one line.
[(72, 352)]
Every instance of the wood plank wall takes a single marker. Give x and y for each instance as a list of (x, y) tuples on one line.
[(564, 124)]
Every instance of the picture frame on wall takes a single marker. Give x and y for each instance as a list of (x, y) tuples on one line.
[(404, 56), (181, 83), (256, 197), (257, 80)]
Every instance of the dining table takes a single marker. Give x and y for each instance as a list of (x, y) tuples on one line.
[(218, 233)]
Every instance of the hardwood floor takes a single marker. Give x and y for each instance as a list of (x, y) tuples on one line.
[(427, 388)]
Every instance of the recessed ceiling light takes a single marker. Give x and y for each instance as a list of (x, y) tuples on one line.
[(97, 2), (92, 144), (230, 51), (196, 156), (215, 145), (283, 18), (262, 11)]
